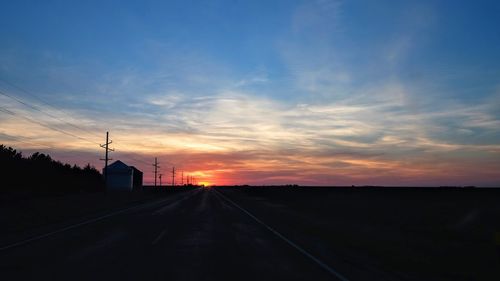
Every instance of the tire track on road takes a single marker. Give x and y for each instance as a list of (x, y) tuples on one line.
[(288, 241)]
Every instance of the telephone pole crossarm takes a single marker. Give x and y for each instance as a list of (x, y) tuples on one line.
[(156, 170), (106, 156)]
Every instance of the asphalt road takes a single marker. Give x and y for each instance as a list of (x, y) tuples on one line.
[(194, 235)]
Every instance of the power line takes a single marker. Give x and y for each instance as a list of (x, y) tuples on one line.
[(62, 131), (18, 139), (51, 127), (2, 109), (44, 112), (47, 104), (46, 126), (59, 152), (135, 159)]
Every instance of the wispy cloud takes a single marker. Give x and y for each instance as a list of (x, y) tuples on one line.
[(374, 136), (338, 104)]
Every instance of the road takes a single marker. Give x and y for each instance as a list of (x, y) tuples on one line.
[(194, 235)]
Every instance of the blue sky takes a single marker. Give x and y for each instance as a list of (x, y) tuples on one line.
[(361, 92)]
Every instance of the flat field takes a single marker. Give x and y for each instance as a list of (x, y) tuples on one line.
[(253, 233), (407, 233), (24, 214)]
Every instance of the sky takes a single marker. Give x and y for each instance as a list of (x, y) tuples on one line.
[(322, 92)]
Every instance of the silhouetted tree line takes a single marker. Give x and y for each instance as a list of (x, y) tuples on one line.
[(39, 172)]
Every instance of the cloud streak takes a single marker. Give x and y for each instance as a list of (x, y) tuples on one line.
[(327, 100)]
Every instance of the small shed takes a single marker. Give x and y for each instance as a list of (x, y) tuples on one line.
[(137, 178), (121, 177)]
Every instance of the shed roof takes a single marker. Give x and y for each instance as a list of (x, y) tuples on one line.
[(135, 169), (118, 165)]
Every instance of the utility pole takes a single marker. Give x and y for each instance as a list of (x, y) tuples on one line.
[(156, 168), (173, 176), (182, 178), (106, 158), (160, 178)]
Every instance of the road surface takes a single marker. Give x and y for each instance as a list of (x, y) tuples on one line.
[(199, 234)]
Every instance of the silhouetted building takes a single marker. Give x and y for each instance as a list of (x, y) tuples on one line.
[(121, 177), (137, 178)]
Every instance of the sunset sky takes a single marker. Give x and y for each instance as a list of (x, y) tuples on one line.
[(259, 92)]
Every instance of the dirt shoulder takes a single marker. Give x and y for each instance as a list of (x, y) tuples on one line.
[(24, 215)]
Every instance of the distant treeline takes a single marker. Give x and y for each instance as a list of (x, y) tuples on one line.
[(39, 172)]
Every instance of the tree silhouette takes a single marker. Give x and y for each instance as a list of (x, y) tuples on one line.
[(39, 172)]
